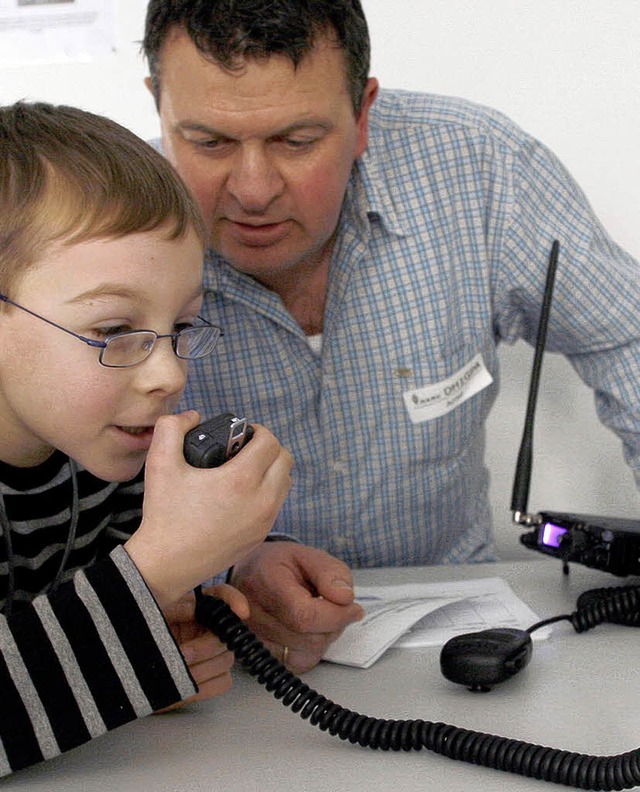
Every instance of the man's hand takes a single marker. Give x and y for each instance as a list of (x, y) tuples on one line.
[(301, 599), (209, 660)]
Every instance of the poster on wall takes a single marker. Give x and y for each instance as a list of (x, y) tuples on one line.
[(55, 31)]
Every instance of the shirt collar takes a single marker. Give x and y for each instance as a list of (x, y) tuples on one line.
[(372, 196)]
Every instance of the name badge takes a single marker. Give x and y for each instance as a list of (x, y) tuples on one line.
[(433, 401)]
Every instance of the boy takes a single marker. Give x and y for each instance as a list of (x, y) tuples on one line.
[(100, 288)]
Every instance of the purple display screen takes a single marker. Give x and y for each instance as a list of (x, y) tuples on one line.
[(551, 535)]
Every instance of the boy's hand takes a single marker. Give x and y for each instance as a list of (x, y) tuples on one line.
[(197, 521), (209, 660)]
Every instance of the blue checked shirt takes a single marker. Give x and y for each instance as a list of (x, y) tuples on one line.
[(441, 254)]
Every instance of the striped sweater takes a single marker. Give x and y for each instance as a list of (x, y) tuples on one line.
[(95, 652)]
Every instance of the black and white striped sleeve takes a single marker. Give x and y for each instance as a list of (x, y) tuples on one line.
[(92, 656)]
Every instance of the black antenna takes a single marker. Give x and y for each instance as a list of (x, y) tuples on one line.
[(522, 479)]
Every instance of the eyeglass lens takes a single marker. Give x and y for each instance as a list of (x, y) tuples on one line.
[(195, 342), (130, 348)]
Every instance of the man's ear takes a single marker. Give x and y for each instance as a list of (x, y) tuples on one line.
[(362, 121), (156, 98)]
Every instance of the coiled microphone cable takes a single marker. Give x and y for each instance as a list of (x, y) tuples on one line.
[(581, 771)]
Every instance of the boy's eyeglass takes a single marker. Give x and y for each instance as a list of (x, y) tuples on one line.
[(133, 346)]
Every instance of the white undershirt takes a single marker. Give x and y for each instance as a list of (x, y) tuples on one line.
[(315, 342)]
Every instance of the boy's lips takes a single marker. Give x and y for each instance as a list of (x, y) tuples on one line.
[(136, 430), (135, 438)]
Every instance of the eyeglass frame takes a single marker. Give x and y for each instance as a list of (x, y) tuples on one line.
[(102, 345)]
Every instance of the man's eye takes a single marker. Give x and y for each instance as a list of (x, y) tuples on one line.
[(294, 143), (209, 144)]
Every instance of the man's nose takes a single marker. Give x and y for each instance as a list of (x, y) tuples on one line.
[(254, 180)]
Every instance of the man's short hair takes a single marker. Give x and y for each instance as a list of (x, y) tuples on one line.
[(227, 31), (67, 175)]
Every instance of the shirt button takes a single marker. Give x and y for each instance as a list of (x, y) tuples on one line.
[(340, 466)]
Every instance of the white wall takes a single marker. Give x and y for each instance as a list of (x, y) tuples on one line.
[(567, 71)]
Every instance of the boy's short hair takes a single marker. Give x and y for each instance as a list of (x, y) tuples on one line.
[(68, 176), (227, 31)]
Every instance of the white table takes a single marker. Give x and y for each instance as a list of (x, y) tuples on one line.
[(580, 693)]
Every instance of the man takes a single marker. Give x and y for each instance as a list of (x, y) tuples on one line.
[(369, 250)]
